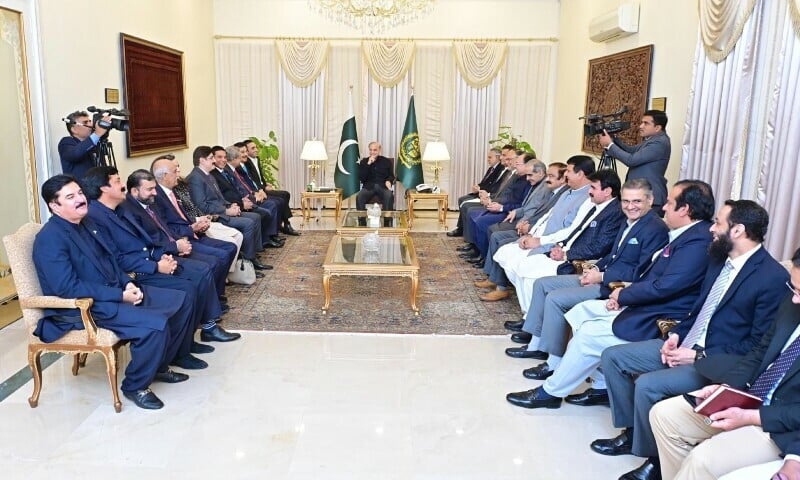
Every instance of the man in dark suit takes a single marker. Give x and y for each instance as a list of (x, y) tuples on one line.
[(544, 329), (208, 197), (376, 177), (648, 159), (693, 446), (73, 260), (668, 288), (78, 151), (253, 170), (738, 301), (487, 183)]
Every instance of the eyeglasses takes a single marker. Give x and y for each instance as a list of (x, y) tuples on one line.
[(794, 291)]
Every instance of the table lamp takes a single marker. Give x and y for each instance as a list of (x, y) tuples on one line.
[(436, 152), (314, 152)]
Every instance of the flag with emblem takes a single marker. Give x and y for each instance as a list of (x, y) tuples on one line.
[(346, 175), (409, 159)]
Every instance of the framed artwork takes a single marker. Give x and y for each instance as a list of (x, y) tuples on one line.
[(616, 81), (154, 95)]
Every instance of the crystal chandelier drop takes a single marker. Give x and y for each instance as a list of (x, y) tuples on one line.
[(372, 16)]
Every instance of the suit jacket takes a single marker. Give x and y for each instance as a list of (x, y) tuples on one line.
[(630, 257), (76, 156), (781, 418), (379, 172), (229, 190), (668, 288), (490, 179), (502, 174), (132, 212), (173, 219), (133, 249), (533, 200), (535, 215), (512, 196), (646, 160), (206, 194), (597, 238), (253, 171), (747, 309)]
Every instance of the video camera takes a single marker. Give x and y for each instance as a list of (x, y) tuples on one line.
[(612, 123), (115, 123)]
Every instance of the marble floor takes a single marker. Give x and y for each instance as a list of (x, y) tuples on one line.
[(305, 406)]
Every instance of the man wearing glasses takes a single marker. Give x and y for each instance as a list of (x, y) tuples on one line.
[(77, 151)]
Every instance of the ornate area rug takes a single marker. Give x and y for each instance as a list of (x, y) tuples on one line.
[(290, 297)]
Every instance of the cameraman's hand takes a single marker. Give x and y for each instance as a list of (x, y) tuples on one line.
[(605, 139), (98, 130)]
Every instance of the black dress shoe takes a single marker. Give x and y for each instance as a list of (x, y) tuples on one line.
[(474, 260), (171, 377), (259, 275), (536, 398), (469, 255), (260, 266), (467, 247), (619, 445), (539, 372), (189, 362), (456, 233), (523, 352), (224, 308), (479, 264), (144, 399), (514, 326), (272, 244), (589, 397), (278, 238), (289, 230), (198, 347), (521, 337), (649, 470), (218, 334), (223, 298)]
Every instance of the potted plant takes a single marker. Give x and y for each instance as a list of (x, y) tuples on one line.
[(506, 137), (268, 153)]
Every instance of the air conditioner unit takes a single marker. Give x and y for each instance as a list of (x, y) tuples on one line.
[(615, 24)]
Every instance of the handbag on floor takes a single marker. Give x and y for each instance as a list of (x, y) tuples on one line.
[(243, 273)]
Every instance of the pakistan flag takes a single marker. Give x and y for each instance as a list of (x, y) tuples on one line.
[(409, 165), (346, 175)]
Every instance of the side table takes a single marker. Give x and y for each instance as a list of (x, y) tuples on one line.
[(441, 198), (307, 198)]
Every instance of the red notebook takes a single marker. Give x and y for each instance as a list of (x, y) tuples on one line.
[(726, 397)]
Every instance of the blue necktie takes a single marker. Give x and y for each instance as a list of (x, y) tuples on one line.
[(709, 307), (775, 372)]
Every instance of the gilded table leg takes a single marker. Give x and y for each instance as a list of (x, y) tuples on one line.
[(338, 207), (444, 212), (410, 202), (304, 206), (326, 288), (414, 287)]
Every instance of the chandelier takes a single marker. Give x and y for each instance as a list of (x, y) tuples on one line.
[(372, 16)]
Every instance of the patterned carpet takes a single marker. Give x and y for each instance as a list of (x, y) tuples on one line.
[(290, 297)]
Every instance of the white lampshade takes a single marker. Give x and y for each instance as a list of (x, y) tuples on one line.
[(435, 151), (314, 150)]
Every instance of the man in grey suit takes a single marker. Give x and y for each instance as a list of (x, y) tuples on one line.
[(648, 159), (206, 195)]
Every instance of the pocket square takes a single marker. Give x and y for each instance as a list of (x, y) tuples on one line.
[(633, 241)]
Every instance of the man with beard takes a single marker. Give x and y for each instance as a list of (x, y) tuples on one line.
[(739, 298)]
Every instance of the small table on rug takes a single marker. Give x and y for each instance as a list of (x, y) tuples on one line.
[(393, 223), (441, 198), (306, 199), (346, 257)]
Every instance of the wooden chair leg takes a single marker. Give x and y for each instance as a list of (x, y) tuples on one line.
[(35, 362), (110, 354)]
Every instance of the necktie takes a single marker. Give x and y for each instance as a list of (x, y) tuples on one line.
[(578, 230), (775, 372), (709, 306), (528, 196), (486, 175), (241, 180), (228, 177), (158, 222), (177, 207)]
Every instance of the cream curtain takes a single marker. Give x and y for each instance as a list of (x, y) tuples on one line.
[(388, 61), (794, 12), (721, 25), (720, 105), (479, 62), (302, 60)]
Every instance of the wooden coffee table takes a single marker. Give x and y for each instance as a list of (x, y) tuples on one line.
[(396, 258)]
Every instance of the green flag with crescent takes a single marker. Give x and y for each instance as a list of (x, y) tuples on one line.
[(346, 175), (409, 164)]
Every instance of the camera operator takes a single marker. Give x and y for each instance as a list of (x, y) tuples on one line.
[(78, 151), (647, 160)]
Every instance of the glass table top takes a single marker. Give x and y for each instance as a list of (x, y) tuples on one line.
[(391, 251), (389, 219)]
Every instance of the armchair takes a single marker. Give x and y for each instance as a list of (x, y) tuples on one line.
[(81, 343)]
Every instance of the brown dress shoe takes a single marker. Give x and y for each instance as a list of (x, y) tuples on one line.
[(485, 284), (495, 295)]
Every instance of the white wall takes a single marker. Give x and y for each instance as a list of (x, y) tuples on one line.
[(672, 29), (81, 57), (448, 19)]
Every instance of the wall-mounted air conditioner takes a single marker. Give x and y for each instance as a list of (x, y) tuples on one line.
[(618, 23)]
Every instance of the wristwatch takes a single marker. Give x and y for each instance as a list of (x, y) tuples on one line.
[(699, 352)]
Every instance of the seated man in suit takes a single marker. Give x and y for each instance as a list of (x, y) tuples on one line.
[(668, 288), (376, 177), (73, 260), (633, 249), (508, 155), (206, 194), (252, 170), (693, 446), (591, 239), (489, 180), (553, 227), (740, 295)]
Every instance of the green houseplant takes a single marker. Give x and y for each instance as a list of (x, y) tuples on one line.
[(268, 153), (506, 137)]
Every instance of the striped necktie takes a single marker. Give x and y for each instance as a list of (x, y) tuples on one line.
[(700, 325)]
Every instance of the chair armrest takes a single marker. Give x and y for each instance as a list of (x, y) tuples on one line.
[(583, 265), (665, 325), (616, 285), (83, 304)]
